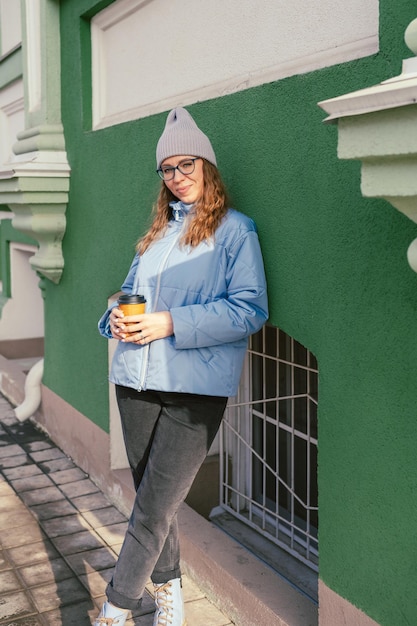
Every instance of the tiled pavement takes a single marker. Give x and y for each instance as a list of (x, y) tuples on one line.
[(59, 538)]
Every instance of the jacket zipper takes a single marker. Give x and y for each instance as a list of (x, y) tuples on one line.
[(145, 359)]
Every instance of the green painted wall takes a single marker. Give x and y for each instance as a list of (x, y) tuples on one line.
[(338, 278)]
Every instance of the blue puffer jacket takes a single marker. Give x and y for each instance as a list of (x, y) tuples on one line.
[(216, 294)]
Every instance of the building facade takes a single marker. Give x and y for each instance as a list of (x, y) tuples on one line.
[(314, 471)]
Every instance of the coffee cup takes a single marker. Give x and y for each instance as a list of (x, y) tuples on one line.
[(132, 304)]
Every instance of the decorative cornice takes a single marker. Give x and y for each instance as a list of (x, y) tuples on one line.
[(35, 183), (45, 137), (378, 126), (392, 93), (37, 193)]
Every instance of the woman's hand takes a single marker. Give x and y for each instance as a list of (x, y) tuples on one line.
[(140, 329), (116, 323)]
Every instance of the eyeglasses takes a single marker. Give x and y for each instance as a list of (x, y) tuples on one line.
[(186, 167)]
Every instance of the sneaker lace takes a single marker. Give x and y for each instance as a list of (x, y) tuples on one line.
[(163, 600)]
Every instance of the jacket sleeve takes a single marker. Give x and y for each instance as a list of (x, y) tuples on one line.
[(104, 321), (242, 312)]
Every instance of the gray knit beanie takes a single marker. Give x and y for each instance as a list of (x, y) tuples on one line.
[(182, 136)]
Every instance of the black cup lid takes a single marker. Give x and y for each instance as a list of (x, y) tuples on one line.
[(131, 298)]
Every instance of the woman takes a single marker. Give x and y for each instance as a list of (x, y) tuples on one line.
[(200, 269)]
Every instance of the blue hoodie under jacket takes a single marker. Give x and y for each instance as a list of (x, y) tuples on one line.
[(216, 294)]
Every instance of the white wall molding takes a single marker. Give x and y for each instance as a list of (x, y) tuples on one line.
[(10, 26), (12, 118), (34, 180), (149, 55), (33, 57)]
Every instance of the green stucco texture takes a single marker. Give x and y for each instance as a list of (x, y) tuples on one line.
[(338, 281)]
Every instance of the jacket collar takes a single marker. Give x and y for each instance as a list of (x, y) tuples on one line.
[(179, 210)]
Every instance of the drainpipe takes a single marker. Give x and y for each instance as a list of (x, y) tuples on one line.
[(32, 392)]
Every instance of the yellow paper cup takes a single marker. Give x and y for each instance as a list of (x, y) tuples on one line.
[(132, 304)]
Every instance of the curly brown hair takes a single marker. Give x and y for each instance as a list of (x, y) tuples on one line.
[(208, 211)]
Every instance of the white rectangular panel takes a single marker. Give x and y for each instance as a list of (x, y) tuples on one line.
[(151, 55)]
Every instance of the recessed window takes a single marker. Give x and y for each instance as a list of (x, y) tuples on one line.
[(269, 446)]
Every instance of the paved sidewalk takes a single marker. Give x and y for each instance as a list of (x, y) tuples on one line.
[(60, 536)]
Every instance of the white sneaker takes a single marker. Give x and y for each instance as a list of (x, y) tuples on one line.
[(169, 604), (111, 616)]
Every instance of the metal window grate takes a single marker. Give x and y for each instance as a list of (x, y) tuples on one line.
[(268, 445)]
